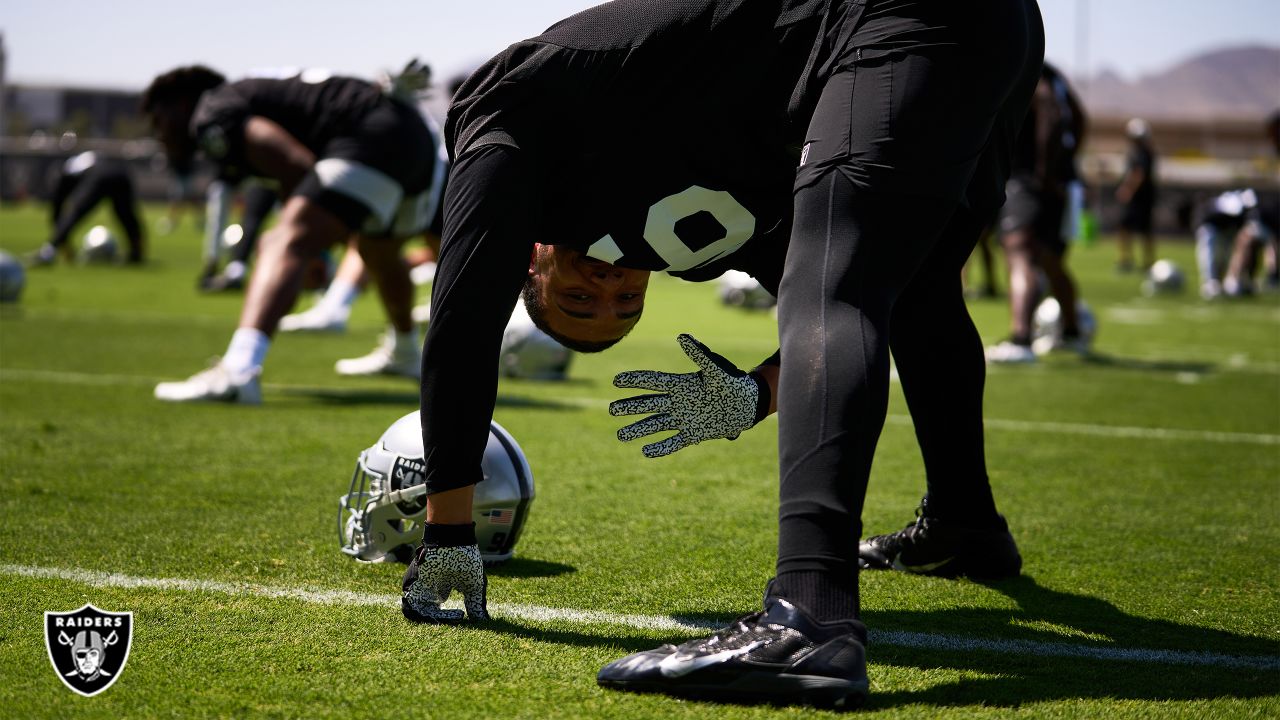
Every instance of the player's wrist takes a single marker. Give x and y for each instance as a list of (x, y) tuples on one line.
[(443, 535), (763, 397)]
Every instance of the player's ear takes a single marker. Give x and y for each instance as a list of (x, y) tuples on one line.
[(533, 260)]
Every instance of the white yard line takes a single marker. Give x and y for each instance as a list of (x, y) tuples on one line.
[(538, 613), (1116, 431), (1035, 426)]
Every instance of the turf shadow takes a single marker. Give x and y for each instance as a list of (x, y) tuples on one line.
[(1166, 366), (1045, 615), (1014, 679), (375, 396), (519, 567), (622, 640)]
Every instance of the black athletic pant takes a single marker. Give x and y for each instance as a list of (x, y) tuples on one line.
[(77, 196), (917, 117)]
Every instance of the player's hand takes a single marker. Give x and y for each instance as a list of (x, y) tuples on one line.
[(410, 82), (718, 401), (434, 574)]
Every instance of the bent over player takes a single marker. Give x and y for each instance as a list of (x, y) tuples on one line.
[(85, 180), (641, 135), (348, 160)]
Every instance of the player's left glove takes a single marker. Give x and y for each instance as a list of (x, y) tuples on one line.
[(718, 401), (438, 568)]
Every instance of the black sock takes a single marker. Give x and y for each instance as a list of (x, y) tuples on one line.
[(824, 596), (974, 506)]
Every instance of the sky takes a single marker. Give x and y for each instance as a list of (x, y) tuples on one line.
[(124, 43)]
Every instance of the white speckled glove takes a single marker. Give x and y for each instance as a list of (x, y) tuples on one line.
[(718, 401), (434, 574)]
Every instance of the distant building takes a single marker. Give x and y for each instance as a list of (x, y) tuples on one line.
[(1196, 159), (42, 125), (87, 112)]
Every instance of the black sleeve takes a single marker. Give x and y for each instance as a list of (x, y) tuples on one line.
[(490, 208)]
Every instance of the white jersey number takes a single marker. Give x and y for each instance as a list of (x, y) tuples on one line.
[(689, 229)]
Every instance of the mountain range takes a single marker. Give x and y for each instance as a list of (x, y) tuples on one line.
[(1229, 83)]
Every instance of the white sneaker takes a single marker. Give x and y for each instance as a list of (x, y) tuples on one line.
[(214, 384), (1057, 343), (1010, 352), (386, 359), (317, 319)]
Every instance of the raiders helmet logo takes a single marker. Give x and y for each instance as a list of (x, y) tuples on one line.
[(88, 647)]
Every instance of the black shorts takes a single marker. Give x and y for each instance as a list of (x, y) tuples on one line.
[(380, 178), (1029, 208), (894, 76)]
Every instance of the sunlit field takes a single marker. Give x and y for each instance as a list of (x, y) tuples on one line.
[(1141, 484)]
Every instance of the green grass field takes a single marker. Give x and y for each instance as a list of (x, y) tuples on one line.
[(1141, 485)]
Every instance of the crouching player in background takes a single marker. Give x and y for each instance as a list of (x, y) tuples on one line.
[(85, 180)]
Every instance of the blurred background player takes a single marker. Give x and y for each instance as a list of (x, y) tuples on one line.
[(1258, 242), (333, 309), (82, 182), (349, 160), (1031, 223), (1137, 192), (1232, 232), (183, 197), (257, 202)]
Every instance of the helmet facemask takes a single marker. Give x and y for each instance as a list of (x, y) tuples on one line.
[(381, 513)]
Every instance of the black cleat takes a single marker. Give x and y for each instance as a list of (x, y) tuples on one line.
[(777, 656), (944, 548)]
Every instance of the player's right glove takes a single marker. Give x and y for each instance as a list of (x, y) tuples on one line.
[(718, 401), (447, 560)]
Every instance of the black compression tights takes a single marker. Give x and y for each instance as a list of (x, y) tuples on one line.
[(866, 273), (93, 190)]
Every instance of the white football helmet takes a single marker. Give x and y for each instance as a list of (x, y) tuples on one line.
[(13, 277), (528, 352), (1048, 324), (381, 514), (99, 246), (738, 289), (1164, 278), (232, 235)]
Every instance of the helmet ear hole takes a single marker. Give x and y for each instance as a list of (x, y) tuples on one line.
[(381, 515)]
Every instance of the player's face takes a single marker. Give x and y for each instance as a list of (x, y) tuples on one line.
[(587, 299)]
